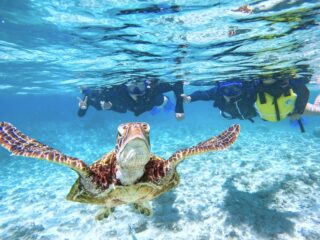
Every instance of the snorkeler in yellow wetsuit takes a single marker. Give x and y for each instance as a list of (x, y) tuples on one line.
[(277, 100)]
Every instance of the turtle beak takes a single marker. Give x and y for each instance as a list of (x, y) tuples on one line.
[(137, 140), (134, 155), (134, 145)]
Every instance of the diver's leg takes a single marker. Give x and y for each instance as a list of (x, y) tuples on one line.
[(143, 207), (104, 213)]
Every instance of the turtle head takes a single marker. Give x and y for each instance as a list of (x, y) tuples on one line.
[(132, 151)]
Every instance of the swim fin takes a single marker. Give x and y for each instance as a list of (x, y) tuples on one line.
[(169, 107), (155, 110)]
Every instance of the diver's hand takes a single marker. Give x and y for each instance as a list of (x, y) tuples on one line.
[(179, 116), (83, 103), (186, 98), (105, 105), (317, 101)]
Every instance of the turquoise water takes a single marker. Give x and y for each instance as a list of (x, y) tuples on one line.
[(265, 186), (53, 46)]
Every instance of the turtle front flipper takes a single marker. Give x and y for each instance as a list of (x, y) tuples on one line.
[(219, 142), (22, 145), (144, 208)]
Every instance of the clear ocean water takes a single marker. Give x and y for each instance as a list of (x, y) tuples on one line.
[(265, 186)]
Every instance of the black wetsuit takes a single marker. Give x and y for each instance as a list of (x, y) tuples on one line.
[(123, 102), (94, 98), (303, 94), (153, 96), (240, 107)]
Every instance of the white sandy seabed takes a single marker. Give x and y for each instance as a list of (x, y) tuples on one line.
[(266, 186)]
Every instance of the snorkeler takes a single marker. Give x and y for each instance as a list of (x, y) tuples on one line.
[(149, 96), (142, 96), (235, 99), (280, 99)]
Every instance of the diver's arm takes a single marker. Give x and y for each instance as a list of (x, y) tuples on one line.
[(83, 106), (82, 112), (178, 91), (302, 97), (205, 95), (104, 103)]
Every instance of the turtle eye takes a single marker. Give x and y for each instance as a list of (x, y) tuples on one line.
[(146, 127), (121, 129)]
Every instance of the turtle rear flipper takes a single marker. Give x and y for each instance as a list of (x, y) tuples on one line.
[(21, 145), (219, 142), (144, 208), (104, 213)]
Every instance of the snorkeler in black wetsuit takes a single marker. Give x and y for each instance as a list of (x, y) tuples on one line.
[(234, 99), (137, 97), (140, 97)]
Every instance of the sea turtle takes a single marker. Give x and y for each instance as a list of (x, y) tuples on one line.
[(128, 174)]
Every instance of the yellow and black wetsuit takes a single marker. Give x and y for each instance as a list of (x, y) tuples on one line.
[(277, 101)]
